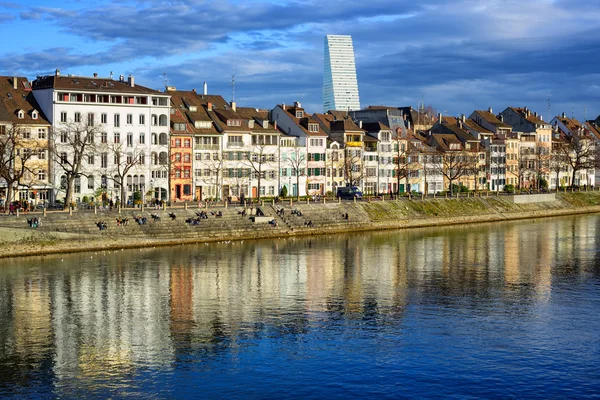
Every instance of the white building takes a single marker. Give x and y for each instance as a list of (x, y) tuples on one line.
[(130, 117), (340, 85)]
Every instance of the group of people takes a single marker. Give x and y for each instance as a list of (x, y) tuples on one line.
[(34, 222), (122, 221), (101, 225), (140, 220)]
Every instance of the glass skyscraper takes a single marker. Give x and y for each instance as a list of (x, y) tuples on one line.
[(340, 86)]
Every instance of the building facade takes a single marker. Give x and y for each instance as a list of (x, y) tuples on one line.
[(340, 85)]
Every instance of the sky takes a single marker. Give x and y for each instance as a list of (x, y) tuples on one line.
[(457, 56)]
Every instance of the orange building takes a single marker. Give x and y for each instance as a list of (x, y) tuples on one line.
[(181, 151)]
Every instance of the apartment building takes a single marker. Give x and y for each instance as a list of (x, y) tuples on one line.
[(126, 125)]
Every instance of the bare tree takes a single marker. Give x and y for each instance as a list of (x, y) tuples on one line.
[(73, 142), (214, 167), (353, 166), (17, 151), (260, 161), (125, 159), (558, 163), (455, 165), (579, 154), (297, 162), (402, 163)]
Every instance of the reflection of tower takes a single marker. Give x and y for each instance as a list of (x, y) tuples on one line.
[(340, 85)]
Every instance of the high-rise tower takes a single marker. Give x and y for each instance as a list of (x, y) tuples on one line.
[(340, 86)]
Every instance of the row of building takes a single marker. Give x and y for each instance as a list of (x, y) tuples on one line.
[(108, 138)]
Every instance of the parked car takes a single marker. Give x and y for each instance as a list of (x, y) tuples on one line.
[(349, 193)]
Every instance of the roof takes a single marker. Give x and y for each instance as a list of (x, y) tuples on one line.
[(492, 119), (475, 126), (526, 114), (90, 84), (304, 121), (443, 140), (12, 100), (181, 101)]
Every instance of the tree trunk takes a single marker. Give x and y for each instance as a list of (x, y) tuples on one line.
[(122, 193), (69, 193), (9, 196)]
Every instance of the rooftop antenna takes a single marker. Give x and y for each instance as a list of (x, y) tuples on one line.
[(584, 112), (165, 79), (549, 109), (233, 86)]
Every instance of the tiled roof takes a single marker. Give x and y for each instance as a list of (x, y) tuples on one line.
[(528, 115), (12, 100), (87, 84), (492, 119), (180, 101), (475, 126), (303, 122)]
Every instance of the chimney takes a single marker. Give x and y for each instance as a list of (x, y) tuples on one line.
[(194, 90), (462, 117), (209, 106), (501, 117), (490, 110), (275, 125), (233, 105), (439, 118), (130, 81), (205, 89), (360, 124), (15, 83), (95, 74), (57, 72), (297, 104), (535, 114), (564, 115), (122, 78), (408, 124)]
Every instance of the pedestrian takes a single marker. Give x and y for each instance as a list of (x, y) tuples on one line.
[(111, 204), (11, 209)]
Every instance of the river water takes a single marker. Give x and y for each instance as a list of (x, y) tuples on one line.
[(503, 310)]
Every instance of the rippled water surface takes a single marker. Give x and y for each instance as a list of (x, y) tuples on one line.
[(507, 310)]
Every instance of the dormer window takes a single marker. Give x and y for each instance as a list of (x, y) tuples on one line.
[(203, 124), (34, 114), (251, 124), (265, 124), (21, 114), (299, 114), (313, 127), (193, 108), (234, 122)]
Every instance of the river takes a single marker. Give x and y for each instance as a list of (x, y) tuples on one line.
[(500, 310)]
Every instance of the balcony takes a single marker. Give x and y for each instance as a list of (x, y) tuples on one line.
[(354, 144), (206, 147), (235, 145)]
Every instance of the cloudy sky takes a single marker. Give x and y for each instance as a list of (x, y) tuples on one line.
[(454, 55)]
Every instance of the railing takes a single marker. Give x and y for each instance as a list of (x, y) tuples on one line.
[(235, 145)]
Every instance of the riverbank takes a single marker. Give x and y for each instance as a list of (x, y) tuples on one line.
[(64, 232)]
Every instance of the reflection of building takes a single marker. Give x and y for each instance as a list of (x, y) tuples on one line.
[(340, 86)]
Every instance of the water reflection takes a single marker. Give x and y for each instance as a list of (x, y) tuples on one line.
[(101, 323)]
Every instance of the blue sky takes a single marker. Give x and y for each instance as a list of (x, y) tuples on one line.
[(454, 55)]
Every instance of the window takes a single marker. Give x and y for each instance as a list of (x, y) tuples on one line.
[(117, 158), (187, 189), (142, 138), (299, 114), (154, 120), (130, 140), (90, 159), (177, 142), (162, 120), (103, 137), (63, 116), (142, 159), (41, 133), (41, 154), (104, 160), (63, 157), (162, 138), (117, 120), (177, 156), (103, 118), (313, 127), (41, 175), (187, 143), (117, 137), (186, 157), (91, 182), (77, 117), (142, 119), (90, 119), (129, 119), (64, 137), (26, 133)]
